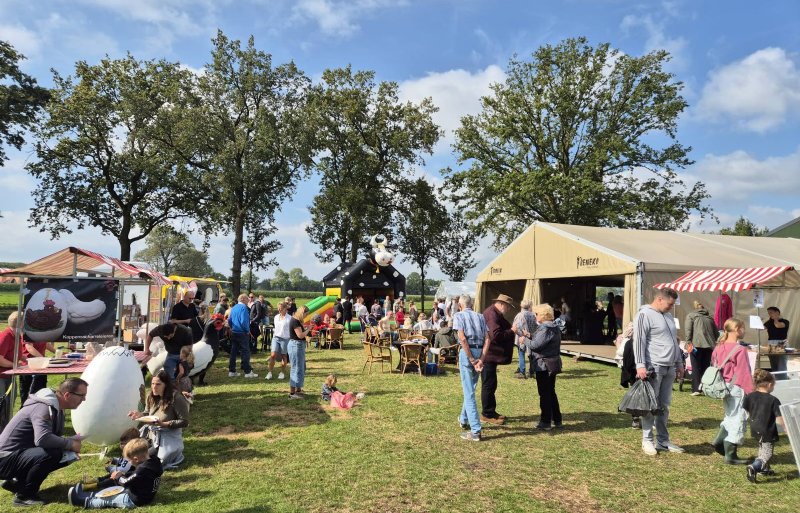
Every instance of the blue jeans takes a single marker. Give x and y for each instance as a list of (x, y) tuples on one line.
[(240, 343), (661, 381), (521, 355), (171, 365), (297, 359), (469, 380), (121, 500)]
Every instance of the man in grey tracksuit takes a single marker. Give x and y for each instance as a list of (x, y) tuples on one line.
[(32, 445), (658, 359)]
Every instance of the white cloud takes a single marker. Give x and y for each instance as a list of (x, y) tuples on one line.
[(757, 93), (339, 18), (657, 37), (172, 13), (739, 175), (456, 92), (14, 178), (25, 41)]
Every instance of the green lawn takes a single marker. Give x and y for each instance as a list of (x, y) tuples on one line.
[(251, 449)]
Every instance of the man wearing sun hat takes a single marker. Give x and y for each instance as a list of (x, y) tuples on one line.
[(500, 352)]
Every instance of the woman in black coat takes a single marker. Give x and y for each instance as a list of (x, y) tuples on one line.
[(545, 363)]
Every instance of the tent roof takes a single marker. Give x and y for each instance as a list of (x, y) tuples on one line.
[(547, 250), (70, 260), (735, 279)]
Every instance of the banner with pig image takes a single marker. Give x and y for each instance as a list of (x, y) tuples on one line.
[(70, 310)]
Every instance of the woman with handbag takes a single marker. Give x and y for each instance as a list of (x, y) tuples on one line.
[(545, 363), (732, 359), (171, 410)]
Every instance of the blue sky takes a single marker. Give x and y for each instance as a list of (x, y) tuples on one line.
[(740, 64)]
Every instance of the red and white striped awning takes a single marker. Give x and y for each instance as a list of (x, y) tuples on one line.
[(728, 279)]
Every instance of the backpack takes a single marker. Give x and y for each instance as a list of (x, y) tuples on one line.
[(712, 382)]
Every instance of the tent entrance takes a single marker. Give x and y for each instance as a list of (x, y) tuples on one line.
[(580, 294)]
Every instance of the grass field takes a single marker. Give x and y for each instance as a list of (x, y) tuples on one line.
[(251, 449)]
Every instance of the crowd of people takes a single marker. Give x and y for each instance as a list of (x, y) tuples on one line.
[(33, 444)]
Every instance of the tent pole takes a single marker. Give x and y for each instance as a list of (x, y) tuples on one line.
[(639, 286), (18, 336)]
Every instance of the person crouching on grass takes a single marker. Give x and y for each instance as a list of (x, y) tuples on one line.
[(140, 486)]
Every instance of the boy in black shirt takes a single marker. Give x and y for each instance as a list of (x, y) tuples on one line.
[(140, 485), (765, 414)]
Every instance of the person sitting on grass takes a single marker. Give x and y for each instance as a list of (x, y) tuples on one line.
[(122, 464), (765, 415), (172, 412), (140, 486), (329, 387)]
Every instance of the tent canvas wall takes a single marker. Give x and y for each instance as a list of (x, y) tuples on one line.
[(548, 259), (455, 288)]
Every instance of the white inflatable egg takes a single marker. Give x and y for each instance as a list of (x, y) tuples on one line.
[(46, 315), (203, 353), (116, 387)]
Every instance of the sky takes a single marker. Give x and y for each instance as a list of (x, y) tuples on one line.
[(739, 62)]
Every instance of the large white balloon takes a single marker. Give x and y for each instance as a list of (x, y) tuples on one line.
[(116, 386), (203, 353)]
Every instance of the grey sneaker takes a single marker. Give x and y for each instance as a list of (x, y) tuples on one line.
[(23, 503), (251, 374), (649, 447), (295, 396), (469, 436), (669, 447), (233, 374)]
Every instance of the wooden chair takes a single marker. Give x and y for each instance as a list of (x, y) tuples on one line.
[(335, 335), (445, 355), (404, 334), (411, 353), (373, 354), (429, 334), (313, 341)]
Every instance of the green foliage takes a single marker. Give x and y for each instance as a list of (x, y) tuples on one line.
[(98, 160), (745, 227), (577, 135), (171, 252), (245, 129), (368, 141), (295, 279), (20, 99), (414, 285)]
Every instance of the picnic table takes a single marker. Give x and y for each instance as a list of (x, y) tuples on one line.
[(76, 368)]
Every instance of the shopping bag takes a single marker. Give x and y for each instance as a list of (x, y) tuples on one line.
[(640, 399)]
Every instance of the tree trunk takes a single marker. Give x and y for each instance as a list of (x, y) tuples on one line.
[(124, 248), (353, 252), (238, 249), (422, 289)]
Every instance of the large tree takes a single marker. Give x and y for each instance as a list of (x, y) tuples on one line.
[(577, 135), (247, 132), (455, 253), (170, 251), (367, 139), (745, 227), (98, 163), (20, 99), (423, 223)]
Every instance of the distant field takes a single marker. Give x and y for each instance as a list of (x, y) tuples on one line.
[(9, 298)]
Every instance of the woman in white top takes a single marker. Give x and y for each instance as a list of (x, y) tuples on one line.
[(280, 340), (423, 324)]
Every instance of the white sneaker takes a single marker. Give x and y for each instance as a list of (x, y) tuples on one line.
[(269, 375), (295, 396), (233, 374), (669, 447), (649, 448), (251, 374), (281, 376)]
